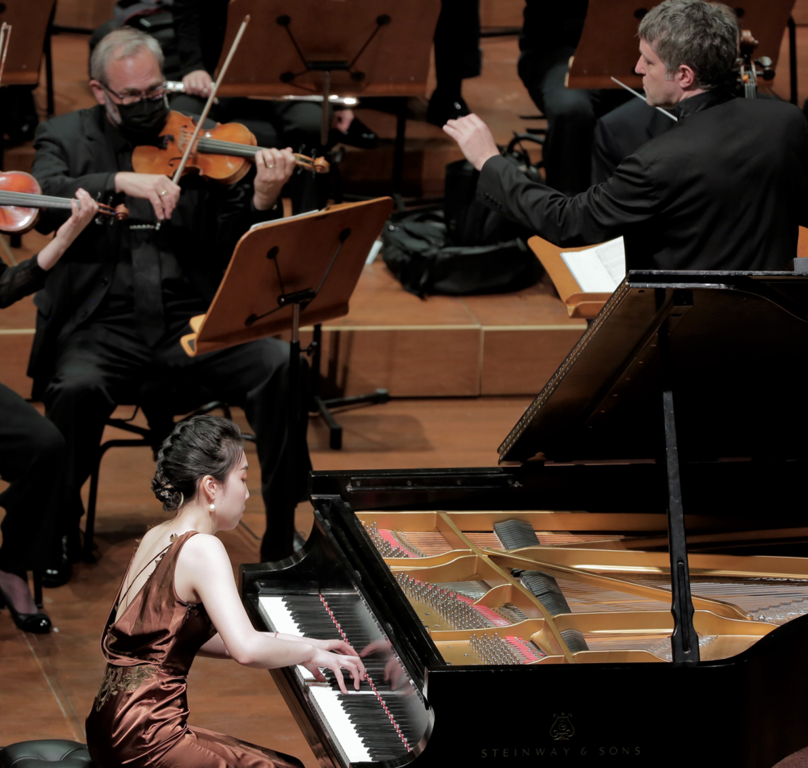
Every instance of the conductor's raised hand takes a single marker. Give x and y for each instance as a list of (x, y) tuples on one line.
[(474, 138), (273, 168), (336, 663), (159, 190)]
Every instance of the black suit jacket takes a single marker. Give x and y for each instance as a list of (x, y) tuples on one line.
[(727, 188), (74, 151)]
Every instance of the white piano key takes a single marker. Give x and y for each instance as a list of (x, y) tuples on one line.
[(279, 617), (340, 724)]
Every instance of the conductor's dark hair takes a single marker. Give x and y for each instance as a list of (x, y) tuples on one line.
[(203, 445), (702, 36)]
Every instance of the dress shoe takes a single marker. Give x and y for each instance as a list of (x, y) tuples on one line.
[(61, 570), (357, 135), (58, 574), (443, 107), (37, 623)]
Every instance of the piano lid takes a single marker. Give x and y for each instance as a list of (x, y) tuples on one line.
[(738, 343)]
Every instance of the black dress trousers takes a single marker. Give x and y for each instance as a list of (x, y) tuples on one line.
[(31, 460)]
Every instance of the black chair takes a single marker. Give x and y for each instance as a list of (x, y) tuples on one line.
[(159, 407), (45, 753)]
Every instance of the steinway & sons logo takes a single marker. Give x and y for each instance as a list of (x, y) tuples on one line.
[(562, 730)]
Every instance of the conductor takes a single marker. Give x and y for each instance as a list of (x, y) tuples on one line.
[(725, 189)]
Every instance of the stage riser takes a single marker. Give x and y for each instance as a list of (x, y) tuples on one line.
[(441, 363)]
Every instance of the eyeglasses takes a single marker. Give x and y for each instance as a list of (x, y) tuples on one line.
[(153, 94)]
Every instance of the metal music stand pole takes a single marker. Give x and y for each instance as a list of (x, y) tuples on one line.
[(283, 274)]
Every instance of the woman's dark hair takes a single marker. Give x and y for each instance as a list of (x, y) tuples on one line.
[(203, 445)]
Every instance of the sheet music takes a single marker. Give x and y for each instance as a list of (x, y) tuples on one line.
[(599, 269)]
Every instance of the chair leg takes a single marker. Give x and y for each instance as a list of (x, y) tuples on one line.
[(38, 589), (89, 524)]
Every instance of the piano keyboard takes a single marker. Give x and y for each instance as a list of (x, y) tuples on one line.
[(386, 718)]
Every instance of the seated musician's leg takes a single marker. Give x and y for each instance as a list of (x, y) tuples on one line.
[(93, 373), (255, 376), (31, 461), (236, 752), (570, 116)]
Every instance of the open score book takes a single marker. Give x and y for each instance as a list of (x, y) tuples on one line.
[(599, 269)]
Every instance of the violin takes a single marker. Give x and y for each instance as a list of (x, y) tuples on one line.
[(21, 197), (221, 153)]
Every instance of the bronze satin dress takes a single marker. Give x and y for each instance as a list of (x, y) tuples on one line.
[(140, 713)]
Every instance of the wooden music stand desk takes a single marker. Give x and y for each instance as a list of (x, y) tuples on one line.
[(579, 303), (609, 45), (29, 22), (285, 257), (364, 47)]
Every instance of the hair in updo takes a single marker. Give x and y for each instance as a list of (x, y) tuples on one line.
[(203, 445)]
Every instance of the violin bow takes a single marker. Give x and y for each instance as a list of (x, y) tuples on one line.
[(5, 36), (204, 115)]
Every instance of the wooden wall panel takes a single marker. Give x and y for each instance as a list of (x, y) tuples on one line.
[(520, 362), (83, 14), (15, 347), (407, 362), (800, 12), (501, 13)]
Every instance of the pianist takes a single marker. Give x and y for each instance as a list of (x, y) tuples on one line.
[(179, 598), (726, 188)]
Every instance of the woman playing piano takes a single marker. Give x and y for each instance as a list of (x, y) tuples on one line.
[(179, 598)]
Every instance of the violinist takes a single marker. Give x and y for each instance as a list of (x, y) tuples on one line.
[(31, 449), (112, 313), (726, 188), (199, 31)]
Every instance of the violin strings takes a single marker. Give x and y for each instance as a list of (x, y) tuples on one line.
[(32, 200), (216, 146)]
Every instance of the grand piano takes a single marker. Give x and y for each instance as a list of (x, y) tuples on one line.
[(628, 587)]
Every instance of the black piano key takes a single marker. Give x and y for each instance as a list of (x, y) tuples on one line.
[(372, 721)]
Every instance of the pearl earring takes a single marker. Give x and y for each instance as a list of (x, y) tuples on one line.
[(212, 507)]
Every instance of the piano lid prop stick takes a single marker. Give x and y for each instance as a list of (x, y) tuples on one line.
[(640, 96)]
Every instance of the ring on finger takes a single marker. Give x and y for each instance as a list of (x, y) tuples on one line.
[(163, 192), (270, 165)]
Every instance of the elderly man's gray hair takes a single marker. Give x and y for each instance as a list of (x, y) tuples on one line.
[(691, 32), (121, 44)]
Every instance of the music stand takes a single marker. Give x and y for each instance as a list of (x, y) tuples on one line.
[(284, 273), (361, 48), (608, 44), (579, 303)]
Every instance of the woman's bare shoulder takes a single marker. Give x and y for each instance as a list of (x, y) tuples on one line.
[(204, 545)]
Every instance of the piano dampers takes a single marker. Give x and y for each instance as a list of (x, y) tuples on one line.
[(575, 640), (546, 590), (514, 534)]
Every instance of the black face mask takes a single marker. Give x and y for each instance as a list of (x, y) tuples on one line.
[(142, 121)]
